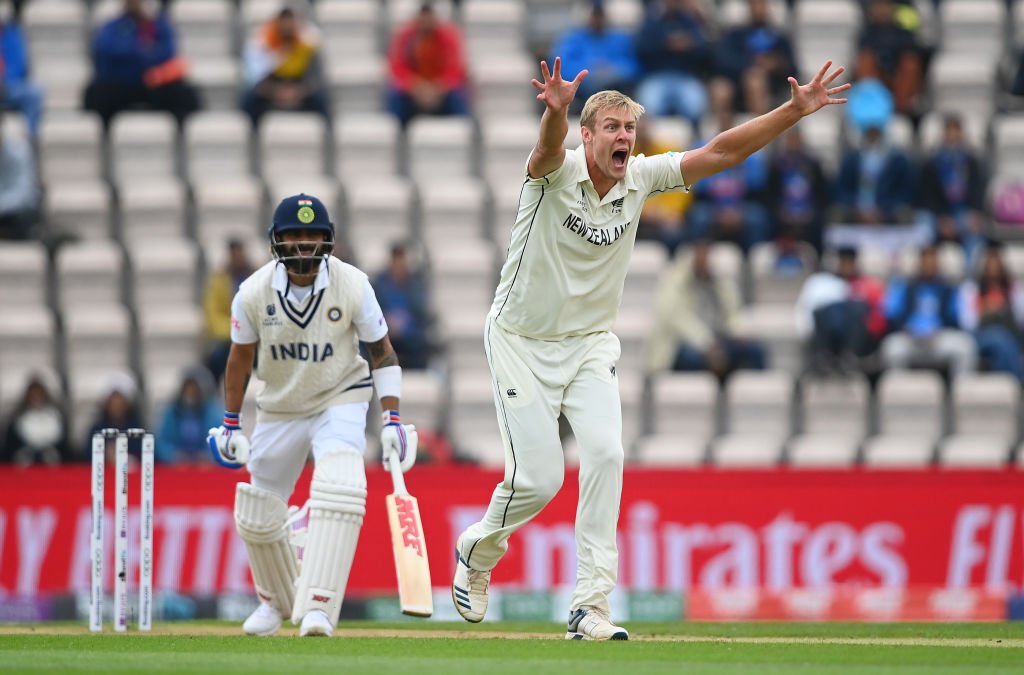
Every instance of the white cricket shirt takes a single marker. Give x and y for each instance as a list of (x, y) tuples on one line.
[(308, 337), (570, 250)]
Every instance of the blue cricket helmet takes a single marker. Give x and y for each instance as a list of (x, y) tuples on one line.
[(301, 212)]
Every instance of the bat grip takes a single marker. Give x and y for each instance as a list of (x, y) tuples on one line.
[(397, 479)]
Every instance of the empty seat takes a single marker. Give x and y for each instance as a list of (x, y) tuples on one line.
[(56, 32), (366, 144), (746, 450), (81, 208), (684, 405), (24, 272), (441, 146), (463, 274), (494, 27), (974, 451), (1008, 142), (669, 450), (143, 144), (164, 273), (774, 325), (97, 337), (350, 27), (28, 339), (475, 427), (90, 272), (379, 212), (292, 145), (170, 336), (70, 144), (901, 450), (217, 145), (424, 399), (452, 210), (963, 82), (358, 83), (972, 26), (501, 83), (824, 449), (779, 283), (507, 141), (986, 404), (152, 209), (463, 338), (205, 29), (835, 405), (229, 207), (824, 29), (911, 403), (759, 403)]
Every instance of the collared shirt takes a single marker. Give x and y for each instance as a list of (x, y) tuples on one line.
[(570, 249)]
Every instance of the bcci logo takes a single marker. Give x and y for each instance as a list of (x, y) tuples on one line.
[(334, 314), (305, 215), (271, 310)]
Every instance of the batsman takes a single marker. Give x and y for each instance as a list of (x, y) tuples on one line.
[(301, 317)]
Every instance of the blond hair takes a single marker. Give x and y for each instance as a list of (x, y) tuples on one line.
[(607, 99)]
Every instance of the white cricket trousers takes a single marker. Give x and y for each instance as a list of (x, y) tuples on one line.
[(534, 381)]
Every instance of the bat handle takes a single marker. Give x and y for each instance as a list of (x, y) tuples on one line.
[(397, 479)]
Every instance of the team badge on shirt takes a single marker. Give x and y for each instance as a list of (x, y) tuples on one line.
[(334, 314)]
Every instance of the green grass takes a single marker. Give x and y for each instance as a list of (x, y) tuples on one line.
[(461, 649)]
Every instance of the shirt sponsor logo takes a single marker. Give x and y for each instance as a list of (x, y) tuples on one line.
[(598, 236), (301, 351), (511, 392)]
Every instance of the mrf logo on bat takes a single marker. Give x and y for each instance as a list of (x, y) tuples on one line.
[(407, 523)]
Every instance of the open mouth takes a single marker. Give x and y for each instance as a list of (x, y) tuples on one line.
[(619, 158)]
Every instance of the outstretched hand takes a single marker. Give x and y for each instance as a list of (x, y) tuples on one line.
[(555, 92), (816, 94)]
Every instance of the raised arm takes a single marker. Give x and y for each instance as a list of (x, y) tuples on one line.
[(556, 94), (732, 146)]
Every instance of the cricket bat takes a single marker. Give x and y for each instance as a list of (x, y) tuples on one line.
[(415, 594)]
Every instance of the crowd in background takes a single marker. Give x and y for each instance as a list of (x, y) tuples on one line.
[(678, 63)]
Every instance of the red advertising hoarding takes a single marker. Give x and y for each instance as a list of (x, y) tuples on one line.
[(678, 530)]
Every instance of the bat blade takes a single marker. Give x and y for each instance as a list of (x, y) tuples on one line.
[(411, 566)]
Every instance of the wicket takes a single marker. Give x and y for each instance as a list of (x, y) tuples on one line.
[(99, 449)]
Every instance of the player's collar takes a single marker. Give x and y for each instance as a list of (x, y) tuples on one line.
[(619, 190), (279, 281)]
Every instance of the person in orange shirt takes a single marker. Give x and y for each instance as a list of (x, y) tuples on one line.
[(428, 71), (283, 70)]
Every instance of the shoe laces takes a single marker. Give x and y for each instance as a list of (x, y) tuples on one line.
[(478, 580)]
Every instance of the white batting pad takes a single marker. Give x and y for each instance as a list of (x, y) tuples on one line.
[(337, 502), (260, 521)]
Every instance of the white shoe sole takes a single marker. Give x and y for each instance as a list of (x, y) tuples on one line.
[(581, 636)]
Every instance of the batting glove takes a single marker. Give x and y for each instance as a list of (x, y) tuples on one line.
[(228, 444), (398, 441)]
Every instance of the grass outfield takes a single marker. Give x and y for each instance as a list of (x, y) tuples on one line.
[(518, 648)]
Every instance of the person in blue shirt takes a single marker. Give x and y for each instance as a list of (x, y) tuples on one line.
[(607, 52), (876, 182), (753, 62), (674, 47), (402, 295), (136, 64), (181, 438), (923, 317), (17, 91)]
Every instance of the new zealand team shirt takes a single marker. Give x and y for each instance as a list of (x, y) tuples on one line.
[(570, 249), (308, 337)]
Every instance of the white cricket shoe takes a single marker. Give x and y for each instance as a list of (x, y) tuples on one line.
[(266, 620), (469, 590), (316, 623), (593, 623)]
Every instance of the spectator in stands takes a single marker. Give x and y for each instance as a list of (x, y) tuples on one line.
[(136, 64), (118, 409), (19, 186), (181, 438), (875, 185), (221, 288), (674, 47), (402, 294), (428, 69), (923, 320), (797, 195), (953, 185), (17, 91), (37, 432), (992, 309), (662, 218), (730, 205), (697, 321), (888, 51), (283, 68), (606, 51), (753, 62), (840, 314)]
